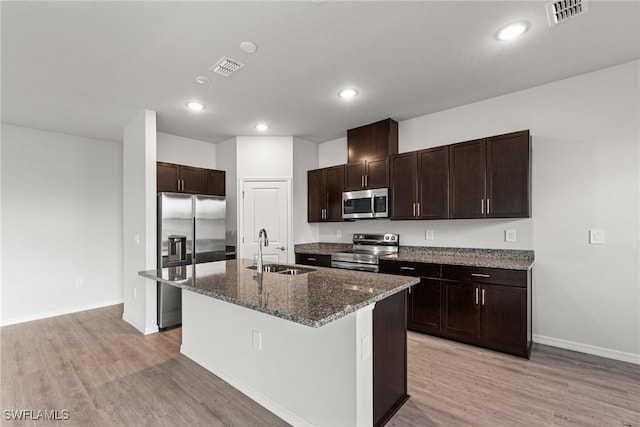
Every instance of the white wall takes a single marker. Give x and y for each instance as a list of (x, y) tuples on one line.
[(264, 156), (139, 221), (226, 159), (185, 151), (61, 224), (305, 157), (332, 153), (586, 133)]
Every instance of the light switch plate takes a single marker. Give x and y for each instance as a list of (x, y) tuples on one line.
[(428, 234), (338, 233), (596, 237), (366, 348), (509, 235)]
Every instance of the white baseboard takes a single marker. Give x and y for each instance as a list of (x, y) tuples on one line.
[(60, 312), (588, 349), (258, 397), (139, 326)]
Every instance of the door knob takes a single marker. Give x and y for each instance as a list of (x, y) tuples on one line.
[(282, 248)]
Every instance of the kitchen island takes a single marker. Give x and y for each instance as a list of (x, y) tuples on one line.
[(321, 347)]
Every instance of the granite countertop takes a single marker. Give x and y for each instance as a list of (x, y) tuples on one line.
[(322, 248), (489, 258), (313, 299)]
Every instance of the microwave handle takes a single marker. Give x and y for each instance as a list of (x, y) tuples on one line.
[(373, 205)]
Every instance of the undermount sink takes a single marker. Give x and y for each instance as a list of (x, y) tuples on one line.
[(283, 269)]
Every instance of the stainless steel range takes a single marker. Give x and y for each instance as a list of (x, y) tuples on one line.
[(367, 248)]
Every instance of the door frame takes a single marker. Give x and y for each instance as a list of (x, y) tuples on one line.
[(240, 216)]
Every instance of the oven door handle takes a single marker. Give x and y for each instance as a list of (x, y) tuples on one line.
[(373, 205), (372, 268)]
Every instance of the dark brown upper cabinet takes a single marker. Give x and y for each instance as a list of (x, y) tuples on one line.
[(217, 182), (491, 177), (372, 141), (324, 194), (189, 179), (420, 184), (367, 174)]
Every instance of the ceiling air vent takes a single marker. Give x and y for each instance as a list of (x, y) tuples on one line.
[(560, 11), (226, 66)]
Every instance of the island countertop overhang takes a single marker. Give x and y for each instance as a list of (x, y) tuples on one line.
[(313, 299)]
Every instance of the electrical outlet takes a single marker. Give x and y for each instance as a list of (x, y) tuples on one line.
[(366, 348), (596, 237), (135, 292), (338, 233), (509, 235), (79, 282), (256, 340), (428, 234), (136, 239)]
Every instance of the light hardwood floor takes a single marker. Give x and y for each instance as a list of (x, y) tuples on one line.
[(107, 374)]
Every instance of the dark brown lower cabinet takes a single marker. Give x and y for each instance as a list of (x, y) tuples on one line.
[(389, 357), (492, 315), (461, 311), (487, 307), (424, 312)]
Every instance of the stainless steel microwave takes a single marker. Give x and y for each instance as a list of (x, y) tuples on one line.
[(365, 204)]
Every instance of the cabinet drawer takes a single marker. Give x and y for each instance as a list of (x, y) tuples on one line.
[(313, 259), (408, 268), (497, 276)]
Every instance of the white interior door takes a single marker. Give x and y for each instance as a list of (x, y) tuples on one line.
[(265, 204)]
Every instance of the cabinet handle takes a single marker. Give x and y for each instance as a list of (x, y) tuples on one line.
[(418, 209), (182, 180), (366, 180), (483, 297), (480, 275), (487, 206), (407, 268), (414, 209), (482, 207), (361, 180), (410, 289), (476, 296), (311, 259), (178, 184)]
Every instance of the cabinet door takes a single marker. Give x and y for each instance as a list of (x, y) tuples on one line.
[(508, 176), (315, 195), (334, 189), (194, 180), (217, 183), (377, 175), (354, 175), (167, 177), (504, 318), (433, 183), (467, 174), (425, 306), (379, 139), (403, 180), (461, 310)]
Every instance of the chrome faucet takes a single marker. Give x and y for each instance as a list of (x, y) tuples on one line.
[(261, 234)]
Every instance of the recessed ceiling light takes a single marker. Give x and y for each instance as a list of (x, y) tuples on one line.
[(261, 127), (195, 106), (203, 80), (248, 47), (512, 31), (348, 93)]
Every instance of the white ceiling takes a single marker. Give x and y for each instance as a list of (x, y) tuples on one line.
[(86, 68)]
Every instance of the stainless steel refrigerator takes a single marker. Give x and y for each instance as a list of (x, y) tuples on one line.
[(182, 220)]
